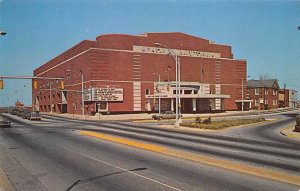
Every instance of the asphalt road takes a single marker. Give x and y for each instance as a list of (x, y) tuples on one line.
[(53, 154)]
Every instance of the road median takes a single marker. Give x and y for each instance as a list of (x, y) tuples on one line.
[(289, 132)]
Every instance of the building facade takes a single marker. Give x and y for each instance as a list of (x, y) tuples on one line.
[(288, 98), (131, 73), (263, 94)]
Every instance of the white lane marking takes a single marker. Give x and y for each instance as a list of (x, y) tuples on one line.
[(147, 178)]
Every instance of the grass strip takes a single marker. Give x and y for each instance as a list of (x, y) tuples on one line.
[(218, 125)]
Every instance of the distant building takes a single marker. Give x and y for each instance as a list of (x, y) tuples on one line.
[(121, 75), (263, 93), (288, 98)]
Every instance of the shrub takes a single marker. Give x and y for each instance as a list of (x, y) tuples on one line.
[(207, 121), (198, 119)]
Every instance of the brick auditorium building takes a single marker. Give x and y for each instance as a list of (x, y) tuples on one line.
[(121, 73)]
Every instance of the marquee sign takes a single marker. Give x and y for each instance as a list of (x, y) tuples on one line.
[(104, 94)]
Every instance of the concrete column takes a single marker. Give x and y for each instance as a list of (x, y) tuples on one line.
[(172, 104), (148, 105), (194, 105)]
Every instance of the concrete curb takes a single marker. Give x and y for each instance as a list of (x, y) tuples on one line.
[(289, 133), (5, 185)]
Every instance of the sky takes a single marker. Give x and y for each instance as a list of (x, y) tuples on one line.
[(265, 33)]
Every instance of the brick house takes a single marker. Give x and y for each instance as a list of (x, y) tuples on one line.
[(288, 98), (264, 94)]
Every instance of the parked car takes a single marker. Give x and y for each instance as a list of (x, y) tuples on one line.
[(4, 122), (25, 114), (34, 115), (20, 113), (165, 115), (14, 111)]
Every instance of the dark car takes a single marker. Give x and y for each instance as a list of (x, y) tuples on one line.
[(165, 115), (34, 115), (25, 114), (20, 113), (4, 122), (14, 111)]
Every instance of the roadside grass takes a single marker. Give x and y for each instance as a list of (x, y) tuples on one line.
[(218, 125)]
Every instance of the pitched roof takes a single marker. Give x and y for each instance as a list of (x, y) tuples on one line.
[(271, 83)]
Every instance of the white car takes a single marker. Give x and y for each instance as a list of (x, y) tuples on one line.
[(165, 115)]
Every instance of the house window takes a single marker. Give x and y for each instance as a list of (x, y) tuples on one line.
[(256, 91), (275, 102), (274, 92), (266, 92)]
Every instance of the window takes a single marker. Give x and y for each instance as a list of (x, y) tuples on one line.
[(266, 92), (188, 92), (274, 92), (257, 102), (147, 92), (275, 102), (256, 91)]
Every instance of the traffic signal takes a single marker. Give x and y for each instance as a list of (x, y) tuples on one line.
[(35, 84), (62, 84), (1, 84)]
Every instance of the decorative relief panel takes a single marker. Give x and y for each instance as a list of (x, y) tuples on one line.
[(190, 53)]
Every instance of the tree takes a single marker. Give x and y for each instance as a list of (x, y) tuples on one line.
[(264, 76)]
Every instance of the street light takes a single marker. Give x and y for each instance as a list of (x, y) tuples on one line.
[(243, 93), (82, 93), (158, 85), (177, 62)]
